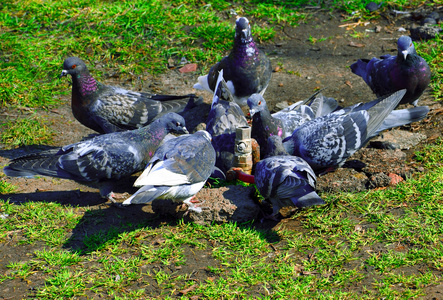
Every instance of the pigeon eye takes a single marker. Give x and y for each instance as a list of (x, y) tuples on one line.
[(74, 66), (259, 102)]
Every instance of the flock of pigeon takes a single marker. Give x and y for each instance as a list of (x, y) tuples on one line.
[(309, 137)]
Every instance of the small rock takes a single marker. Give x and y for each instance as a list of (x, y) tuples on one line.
[(379, 180), (342, 179), (430, 21), (188, 68), (372, 6), (226, 204), (377, 29), (171, 63), (401, 138), (280, 84), (281, 105), (425, 32), (395, 179)]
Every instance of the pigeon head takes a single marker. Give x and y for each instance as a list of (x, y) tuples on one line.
[(173, 123), (243, 30), (73, 66), (405, 46), (256, 103)]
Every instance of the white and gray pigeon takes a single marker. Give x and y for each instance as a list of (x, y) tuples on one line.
[(284, 180), (177, 171), (105, 108), (247, 69), (326, 142), (101, 160), (223, 119), (390, 73)]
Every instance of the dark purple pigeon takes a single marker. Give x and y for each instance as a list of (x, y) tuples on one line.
[(105, 108), (391, 73), (247, 69)]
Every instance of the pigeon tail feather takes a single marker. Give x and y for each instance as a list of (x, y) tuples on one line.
[(307, 200)]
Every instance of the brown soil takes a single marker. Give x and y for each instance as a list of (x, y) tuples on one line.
[(302, 67)]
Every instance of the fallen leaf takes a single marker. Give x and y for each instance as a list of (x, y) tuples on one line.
[(352, 44), (188, 68), (189, 289)]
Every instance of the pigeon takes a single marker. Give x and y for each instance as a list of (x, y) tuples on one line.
[(285, 121), (177, 171), (103, 159), (247, 69), (223, 119), (326, 142), (106, 109), (391, 73), (284, 180), (282, 124)]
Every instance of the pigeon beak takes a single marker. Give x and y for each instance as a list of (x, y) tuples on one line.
[(405, 54), (185, 130), (64, 73), (252, 112), (245, 34)]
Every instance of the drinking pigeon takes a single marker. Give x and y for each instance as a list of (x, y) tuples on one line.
[(283, 179), (223, 119), (103, 159), (407, 70), (247, 69), (326, 142), (105, 108), (177, 171)]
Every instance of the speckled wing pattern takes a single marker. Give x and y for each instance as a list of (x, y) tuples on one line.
[(329, 140), (223, 119), (117, 108), (287, 181), (177, 171)]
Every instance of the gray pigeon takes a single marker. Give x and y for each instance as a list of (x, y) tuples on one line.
[(326, 142), (103, 159), (247, 69), (283, 179), (407, 70), (105, 108), (282, 124), (285, 121), (223, 119), (177, 171)]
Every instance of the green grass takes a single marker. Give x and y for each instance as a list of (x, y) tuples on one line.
[(26, 131), (376, 244)]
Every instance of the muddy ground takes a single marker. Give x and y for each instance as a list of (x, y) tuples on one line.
[(302, 67)]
